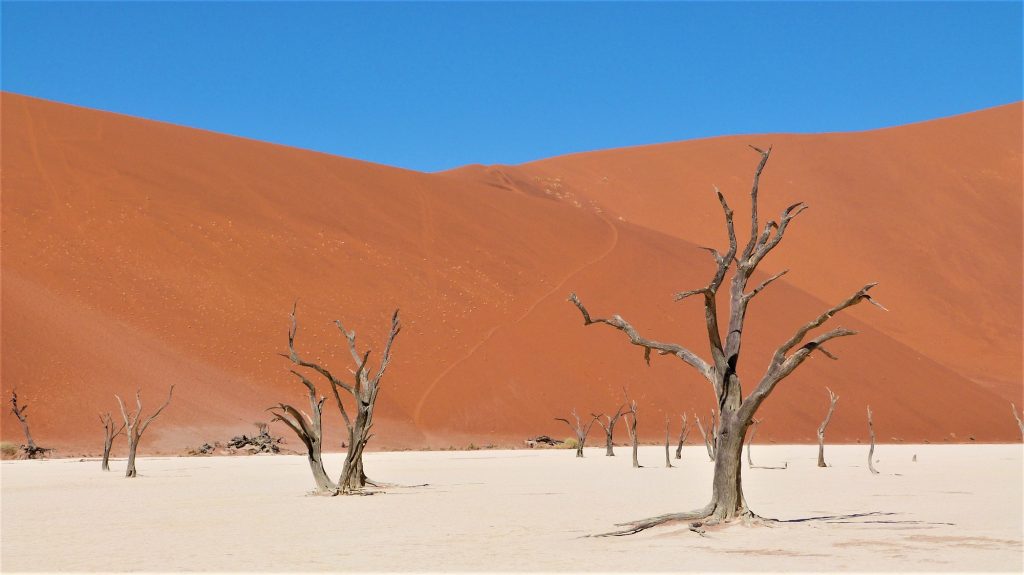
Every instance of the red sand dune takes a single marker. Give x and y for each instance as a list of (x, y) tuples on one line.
[(138, 254)]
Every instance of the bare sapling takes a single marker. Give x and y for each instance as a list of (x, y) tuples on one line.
[(609, 429), (871, 451), (832, 400), (580, 429), (1020, 423), (710, 436), (735, 408), (30, 450), (363, 392), (683, 432), (135, 426), (631, 428), (110, 432), (668, 440), (750, 441)]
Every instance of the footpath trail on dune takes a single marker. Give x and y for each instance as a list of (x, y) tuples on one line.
[(614, 240)]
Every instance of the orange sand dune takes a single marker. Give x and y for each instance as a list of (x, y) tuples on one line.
[(138, 254)]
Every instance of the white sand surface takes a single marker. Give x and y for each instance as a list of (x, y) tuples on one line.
[(958, 508)]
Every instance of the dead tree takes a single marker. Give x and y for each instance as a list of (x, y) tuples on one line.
[(682, 436), (110, 432), (1020, 423), (30, 449), (631, 428), (710, 436), (668, 440), (580, 429), (609, 429), (871, 451), (135, 427), (363, 391), (735, 409), (750, 441), (309, 429), (832, 400)]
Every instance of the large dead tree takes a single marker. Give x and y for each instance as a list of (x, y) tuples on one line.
[(832, 400), (363, 391), (30, 449), (580, 429), (135, 426), (683, 432), (609, 429), (110, 432), (736, 410), (309, 429)]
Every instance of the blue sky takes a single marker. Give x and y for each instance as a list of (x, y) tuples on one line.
[(430, 86)]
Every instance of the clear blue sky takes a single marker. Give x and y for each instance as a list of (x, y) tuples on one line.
[(432, 86)]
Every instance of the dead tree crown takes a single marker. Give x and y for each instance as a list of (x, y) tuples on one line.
[(735, 409)]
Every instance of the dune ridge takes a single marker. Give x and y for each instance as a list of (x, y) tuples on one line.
[(136, 254)]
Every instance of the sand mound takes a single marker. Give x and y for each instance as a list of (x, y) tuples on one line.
[(138, 254)]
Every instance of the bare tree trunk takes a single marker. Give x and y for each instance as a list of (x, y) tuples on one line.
[(871, 451), (1020, 423), (832, 400), (110, 432), (134, 428), (309, 429), (710, 440), (682, 437), (631, 428), (727, 488), (668, 440), (750, 440), (133, 444)]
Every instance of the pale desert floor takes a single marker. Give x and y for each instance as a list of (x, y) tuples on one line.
[(958, 508)]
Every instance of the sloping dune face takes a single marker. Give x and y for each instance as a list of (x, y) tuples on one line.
[(137, 255)]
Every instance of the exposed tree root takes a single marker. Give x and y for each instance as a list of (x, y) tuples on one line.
[(699, 521), (643, 524)]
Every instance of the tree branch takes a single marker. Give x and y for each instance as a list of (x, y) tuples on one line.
[(667, 348)]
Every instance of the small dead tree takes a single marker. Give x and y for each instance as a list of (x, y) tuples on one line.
[(832, 400), (871, 451), (682, 436), (736, 409), (1020, 423), (580, 429), (363, 391), (110, 432), (750, 441), (710, 436), (135, 427), (631, 428), (668, 440), (30, 449), (609, 429)]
